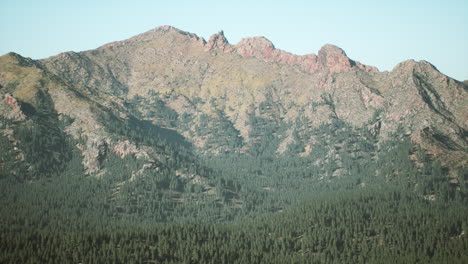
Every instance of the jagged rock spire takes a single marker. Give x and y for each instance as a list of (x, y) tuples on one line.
[(218, 42)]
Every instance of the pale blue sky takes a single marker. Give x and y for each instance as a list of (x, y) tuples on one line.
[(378, 33)]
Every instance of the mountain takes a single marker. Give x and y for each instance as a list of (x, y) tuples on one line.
[(168, 122), (180, 82)]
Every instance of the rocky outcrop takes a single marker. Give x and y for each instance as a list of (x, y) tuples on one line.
[(219, 43), (330, 58), (262, 48), (14, 112), (259, 47), (124, 148), (334, 59)]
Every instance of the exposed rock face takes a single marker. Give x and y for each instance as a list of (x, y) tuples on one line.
[(262, 48), (218, 42), (334, 59), (213, 92), (259, 47), (11, 101), (330, 58), (125, 148), (15, 112)]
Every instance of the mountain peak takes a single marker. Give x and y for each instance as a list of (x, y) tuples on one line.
[(166, 28), (330, 57), (218, 41), (12, 56), (331, 49), (153, 34), (255, 47), (334, 59), (415, 68), (411, 64), (15, 58), (258, 43)]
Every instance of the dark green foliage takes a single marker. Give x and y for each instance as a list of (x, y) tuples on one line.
[(352, 200), (374, 226), (143, 131), (41, 139), (8, 157), (163, 113), (221, 134), (264, 136), (155, 109)]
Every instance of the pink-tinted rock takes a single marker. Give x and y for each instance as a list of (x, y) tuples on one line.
[(262, 48), (15, 112), (219, 42), (10, 100), (259, 47), (334, 59), (330, 58), (366, 68)]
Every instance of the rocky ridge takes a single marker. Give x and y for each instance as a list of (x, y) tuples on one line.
[(201, 89)]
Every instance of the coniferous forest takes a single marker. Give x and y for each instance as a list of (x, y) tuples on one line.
[(258, 207)]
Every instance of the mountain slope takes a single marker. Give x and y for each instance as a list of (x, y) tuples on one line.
[(146, 144), (198, 80), (171, 86)]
